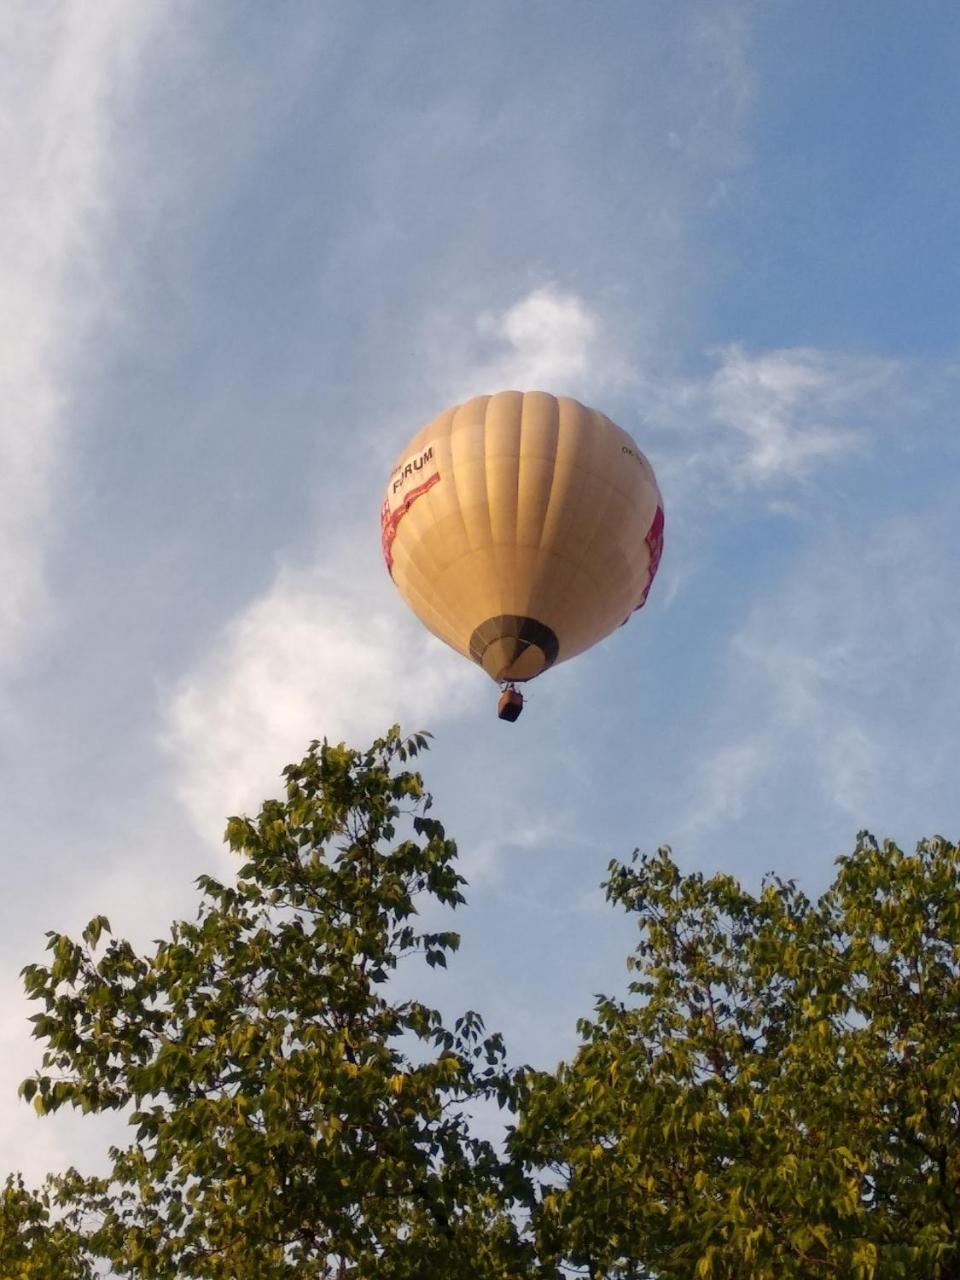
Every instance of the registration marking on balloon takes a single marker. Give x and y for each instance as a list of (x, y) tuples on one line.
[(419, 471)]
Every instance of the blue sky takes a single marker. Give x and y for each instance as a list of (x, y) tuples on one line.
[(246, 255)]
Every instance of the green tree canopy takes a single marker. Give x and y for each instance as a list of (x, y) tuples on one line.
[(779, 1096), (35, 1245), (776, 1095), (290, 1118)]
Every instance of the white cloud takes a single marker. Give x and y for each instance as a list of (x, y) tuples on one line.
[(786, 405), (762, 421), (547, 338), (726, 780), (841, 691), (65, 68), (485, 860), (765, 420), (853, 764), (315, 656), (550, 339)]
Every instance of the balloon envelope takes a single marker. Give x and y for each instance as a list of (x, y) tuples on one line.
[(522, 528)]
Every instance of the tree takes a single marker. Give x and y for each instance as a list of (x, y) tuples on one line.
[(35, 1246), (780, 1094), (290, 1118)]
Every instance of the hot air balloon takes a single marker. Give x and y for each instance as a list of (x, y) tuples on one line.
[(521, 528)]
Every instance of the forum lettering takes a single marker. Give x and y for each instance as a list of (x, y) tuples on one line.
[(408, 469)]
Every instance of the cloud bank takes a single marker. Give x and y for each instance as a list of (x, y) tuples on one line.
[(765, 420), (67, 69), (839, 693), (317, 655)]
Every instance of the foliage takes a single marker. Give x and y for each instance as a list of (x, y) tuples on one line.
[(33, 1245), (779, 1096), (290, 1118)]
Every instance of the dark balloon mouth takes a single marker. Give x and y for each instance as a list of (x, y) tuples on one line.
[(511, 637)]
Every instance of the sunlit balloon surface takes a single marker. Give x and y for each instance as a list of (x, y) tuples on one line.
[(522, 528)]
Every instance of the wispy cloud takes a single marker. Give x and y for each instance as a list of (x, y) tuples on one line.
[(787, 407), (726, 780), (66, 69), (760, 421), (840, 689), (549, 339), (765, 420), (317, 655), (68, 74)]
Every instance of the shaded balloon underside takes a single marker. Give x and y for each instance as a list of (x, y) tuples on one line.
[(522, 647)]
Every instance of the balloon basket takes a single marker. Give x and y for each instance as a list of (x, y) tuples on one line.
[(510, 704)]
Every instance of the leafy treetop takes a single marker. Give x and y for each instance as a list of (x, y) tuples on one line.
[(779, 1096), (290, 1117)]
